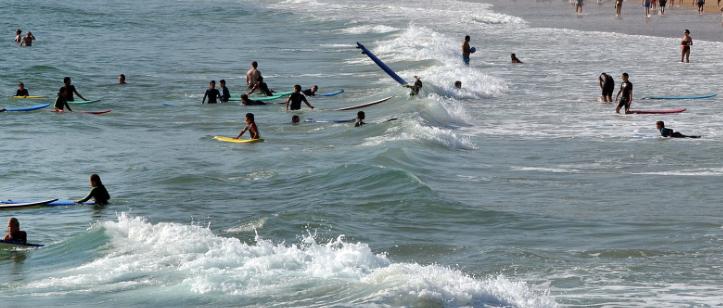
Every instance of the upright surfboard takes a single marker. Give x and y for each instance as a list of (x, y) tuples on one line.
[(682, 97), (364, 105), (381, 64), (29, 108), (234, 140), (657, 111)]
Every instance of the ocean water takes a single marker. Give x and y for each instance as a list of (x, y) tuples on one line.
[(521, 190)]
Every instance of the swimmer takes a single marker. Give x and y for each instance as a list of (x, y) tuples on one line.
[(311, 91), (360, 119), (18, 36), (28, 40), (669, 133), (295, 119), (607, 85), (294, 101), (212, 93), (97, 192), (626, 89), (515, 60), (65, 95), (122, 79), (685, 44), (262, 87), (416, 87), (253, 74), (466, 50), (249, 102), (22, 91), (458, 85), (225, 94), (250, 127), (15, 235)]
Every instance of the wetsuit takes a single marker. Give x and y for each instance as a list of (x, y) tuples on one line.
[(226, 95), (608, 86), (667, 132), (416, 87), (212, 95), (308, 92), (99, 194), (65, 95), (626, 98), (295, 101), (359, 123), (19, 237), (23, 92), (250, 102)]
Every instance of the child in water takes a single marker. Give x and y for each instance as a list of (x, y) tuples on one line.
[(22, 91), (98, 192), (250, 127), (360, 119), (14, 234)]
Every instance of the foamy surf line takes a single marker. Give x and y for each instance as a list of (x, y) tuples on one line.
[(193, 260)]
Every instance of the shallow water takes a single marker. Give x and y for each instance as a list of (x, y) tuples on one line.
[(520, 190)]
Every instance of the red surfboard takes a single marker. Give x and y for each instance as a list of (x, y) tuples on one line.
[(657, 111)]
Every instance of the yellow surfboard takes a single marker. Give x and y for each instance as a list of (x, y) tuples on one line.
[(29, 97), (234, 140)]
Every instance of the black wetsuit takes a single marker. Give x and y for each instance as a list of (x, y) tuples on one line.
[(264, 89), (295, 101), (225, 95), (416, 87), (65, 95), (251, 102), (23, 92), (359, 123), (19, 237), (608, 86), (627, 91), (99, 194), (212, 95), (667, 132), (308, 92)]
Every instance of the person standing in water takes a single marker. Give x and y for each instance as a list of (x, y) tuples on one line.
[(578, 7), (360, 116), (122, 79), (212, 93), (294, 101), (225, 93), (28, 40), (65, 95), (22, 91), (701, 6), (466, 50), (14, 234), (253, 74), (607, 85), (662, 4), (262, 87), (685, 44), (626, 89), (416, 87), (515, 60), (18, 36), (97, 192), (618, 7)]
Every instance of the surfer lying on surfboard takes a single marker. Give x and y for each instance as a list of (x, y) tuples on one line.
[(667, 132), (14, 234), (250, 127)]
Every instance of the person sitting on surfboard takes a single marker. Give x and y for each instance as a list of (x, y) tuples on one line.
[(415, 87), (98, 192), (262, 87), (253, 74), (515, 60), (295, 99), (14, 234), (250, 127), (22, 91), (626, 89), (212, 93), (249, 102), (360, 119), (667, 132), (225, 94), (65, 95), (311, 91)]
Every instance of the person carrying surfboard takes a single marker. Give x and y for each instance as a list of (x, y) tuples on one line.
[(466, 50), (667, 132), (97, 192), (250, 127), (14, 234), (295, 99), (253, 74), (65, 95), (22, 91), (626, 89)]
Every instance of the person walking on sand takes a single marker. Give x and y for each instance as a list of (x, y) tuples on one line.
[(685, 44), (646, 6), (701, 6), (578, 7)]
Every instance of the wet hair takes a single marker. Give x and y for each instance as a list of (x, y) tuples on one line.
[(95, 179), (297, 87), (626, 75), (14, 224), (687, 31), (466, 38), (66, 80), (123, 76), (315, 87), (250, 116), (295, 119), (213, 82), (254, 64), (20, 84), (360, 115), (222, 81), (458, 84), (660, 123), (18, 31)]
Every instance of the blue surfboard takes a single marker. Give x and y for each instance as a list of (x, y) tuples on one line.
[(682, 97), (335, 93), (381, 64), (30, 108)]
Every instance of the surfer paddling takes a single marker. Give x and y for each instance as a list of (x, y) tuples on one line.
[(311, 91), (14, 234), (246, 101), (97, 192), (669, 133), (250, 127), (295, 99), (626, 89), (515, 60)]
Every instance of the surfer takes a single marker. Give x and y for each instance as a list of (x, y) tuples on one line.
[(250, 127), (626, 89), (295, 119), (618, 7), (225, 94), (249, 102), (458, 85), (311, 91), (98, 192), (607, 85), (253, 74), (685, 44), (515, 60), (415, 87), (360, 119), (466, 50), (22, 91), (212, 93), (15, 235), (122, 79), (667, 132), (294, 101), (18, 36), (28, 40), (262, 87), (65, 95)]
